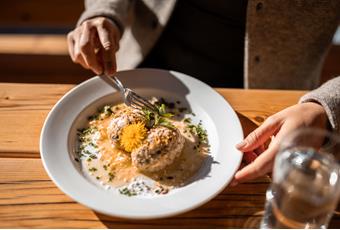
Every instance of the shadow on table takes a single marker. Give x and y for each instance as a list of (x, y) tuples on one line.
[(247, 125), (217, 213)]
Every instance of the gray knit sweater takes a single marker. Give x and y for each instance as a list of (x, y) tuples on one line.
[(328, 95), (285, 43)]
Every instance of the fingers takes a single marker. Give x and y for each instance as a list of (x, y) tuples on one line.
[(70, 45), (108, 42), (276, 128), (74, 49), (259, 167), (249, 157), (260, 135), (98, 34), (87, 48), (264, 162)]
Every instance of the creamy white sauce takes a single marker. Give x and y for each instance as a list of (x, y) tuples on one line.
[(111, 168)]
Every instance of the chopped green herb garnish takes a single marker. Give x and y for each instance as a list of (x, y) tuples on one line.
[(149, 115), (93, 117), (162, 111), (106, 110), (92, 156), (93, 145), (158, 118), (93, 169), (111, 176), (187, 120), (83, 133), (87, 152), (199, 131), (127, 192)]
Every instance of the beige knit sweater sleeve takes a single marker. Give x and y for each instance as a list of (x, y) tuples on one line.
[(328, 95), (116, 10)]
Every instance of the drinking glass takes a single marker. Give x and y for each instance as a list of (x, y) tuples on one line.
[(306, 184)]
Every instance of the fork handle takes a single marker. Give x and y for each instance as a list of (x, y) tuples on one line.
[(118, 83), (114, 82)]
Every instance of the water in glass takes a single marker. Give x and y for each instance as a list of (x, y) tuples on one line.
[(304, 191)]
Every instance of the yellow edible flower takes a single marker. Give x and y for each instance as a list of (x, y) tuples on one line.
[(132, 136)]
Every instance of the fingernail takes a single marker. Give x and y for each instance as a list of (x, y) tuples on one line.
[(241, 144)]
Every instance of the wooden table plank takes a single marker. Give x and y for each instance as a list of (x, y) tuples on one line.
[(37, 14), (257, 105), (29, 199), (23, 109), (33, 44)]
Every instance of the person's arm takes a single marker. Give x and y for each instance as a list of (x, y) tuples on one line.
[(116, 10), (95, 41), (315, 109), (328, 95)]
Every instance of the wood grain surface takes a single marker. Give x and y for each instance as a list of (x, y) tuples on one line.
[(40, 14), (28, 198), (45, 44)]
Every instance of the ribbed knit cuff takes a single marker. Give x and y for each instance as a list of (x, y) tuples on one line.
[(328, 95), (116, 10)]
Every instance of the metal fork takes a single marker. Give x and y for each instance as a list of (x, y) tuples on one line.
[(130, 97)]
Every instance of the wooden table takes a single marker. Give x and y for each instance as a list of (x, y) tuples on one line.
[(28, 198)]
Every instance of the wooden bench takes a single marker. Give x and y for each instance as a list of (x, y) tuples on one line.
[(33, 43)]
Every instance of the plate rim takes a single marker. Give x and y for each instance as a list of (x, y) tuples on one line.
[(64, 190)]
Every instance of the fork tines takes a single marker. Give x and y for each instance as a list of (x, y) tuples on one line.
[(139, 102)]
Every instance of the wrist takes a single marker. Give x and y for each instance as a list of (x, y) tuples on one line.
[(318, 113)]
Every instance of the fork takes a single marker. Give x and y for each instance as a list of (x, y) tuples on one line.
[(131, 98)]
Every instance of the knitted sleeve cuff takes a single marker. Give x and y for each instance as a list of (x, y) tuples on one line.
[(328, 95), (116, 10)]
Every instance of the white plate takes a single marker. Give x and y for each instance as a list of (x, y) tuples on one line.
[(58, 135)]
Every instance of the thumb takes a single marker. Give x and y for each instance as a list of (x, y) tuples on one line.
[(260, 135)]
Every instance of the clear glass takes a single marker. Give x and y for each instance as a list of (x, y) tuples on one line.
[(306, 184)]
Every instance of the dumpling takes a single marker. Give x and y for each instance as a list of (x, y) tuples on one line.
[(123, 118), (160, 149)]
